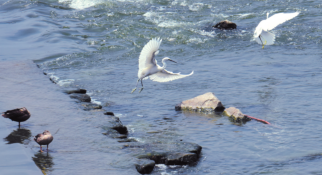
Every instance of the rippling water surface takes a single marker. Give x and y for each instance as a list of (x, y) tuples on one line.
[(96, 44)]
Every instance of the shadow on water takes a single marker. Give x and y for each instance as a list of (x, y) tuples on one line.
[(43, 161), (18, 136)]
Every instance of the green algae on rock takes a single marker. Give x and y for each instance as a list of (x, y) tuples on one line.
[(235, 115)]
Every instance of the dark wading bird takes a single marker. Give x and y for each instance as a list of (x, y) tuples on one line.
[(18, 115), (44, 139)]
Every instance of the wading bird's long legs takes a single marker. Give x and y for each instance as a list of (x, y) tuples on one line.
[(142, 86), (263, 44), (136, 86)]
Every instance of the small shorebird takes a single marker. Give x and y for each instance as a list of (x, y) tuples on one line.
[(18, 115), (44, 139), (148, 67)]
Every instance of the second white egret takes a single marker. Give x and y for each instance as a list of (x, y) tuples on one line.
[(261, 34), (148, 67)]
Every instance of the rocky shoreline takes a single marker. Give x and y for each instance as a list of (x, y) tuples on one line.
[(181, 153)]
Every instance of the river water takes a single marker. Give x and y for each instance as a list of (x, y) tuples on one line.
[(95, 45)]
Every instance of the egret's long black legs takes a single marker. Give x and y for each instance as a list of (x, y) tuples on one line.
[(260, 39), (262, 42), (142, 86), (136, 86)]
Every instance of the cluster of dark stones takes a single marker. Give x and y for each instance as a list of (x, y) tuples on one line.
[(81, 96), (181, 153)]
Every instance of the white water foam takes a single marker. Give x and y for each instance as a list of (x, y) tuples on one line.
[(197, 40), (161, 166), (93, 100), (82, 4), (196, 6), (65, 83), (53, 77), (161, 19)]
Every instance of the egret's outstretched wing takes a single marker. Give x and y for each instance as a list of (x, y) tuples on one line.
[(164, 76), (148, 52), (273, 21), (266, 37), (278, 19)]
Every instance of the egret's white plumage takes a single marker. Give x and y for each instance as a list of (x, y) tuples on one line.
[(261, 34), (148, 67)]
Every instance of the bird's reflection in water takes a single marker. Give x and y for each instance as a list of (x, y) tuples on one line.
[(44, 162), (18, 136)]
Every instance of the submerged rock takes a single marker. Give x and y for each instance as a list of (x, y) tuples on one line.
[(115, 128), (180, 153), (127, 140), (81, 97), (109, 113), (235, 115), (181, 158), (91, 106), (75, 90), (225, 25), (145, 166), (207, 102), (118, 126)]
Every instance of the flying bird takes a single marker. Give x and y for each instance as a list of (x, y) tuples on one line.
[(148, 67), (261, 34), (18, 115), (44, 139)]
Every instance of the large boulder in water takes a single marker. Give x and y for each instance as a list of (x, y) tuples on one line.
[(225, 25), (207, 102), (173, 153), (145, 166)]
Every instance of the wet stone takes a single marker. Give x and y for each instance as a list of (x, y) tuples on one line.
[(181, 159), (81, 97), (145, 166), (127, 140), (114, 127), (181, 153), (109, 113), (207, 103), (235, 115), (75, 90), (225, 25), (121, 137), (52, 80), (118, 126), (91, 106)]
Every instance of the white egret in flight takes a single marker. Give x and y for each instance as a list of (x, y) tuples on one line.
[(261, 34), (148, 67)]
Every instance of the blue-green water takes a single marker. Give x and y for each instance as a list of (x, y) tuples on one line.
[(96, 44)]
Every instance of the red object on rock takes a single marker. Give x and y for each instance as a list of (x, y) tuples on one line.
[(260, 120)]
